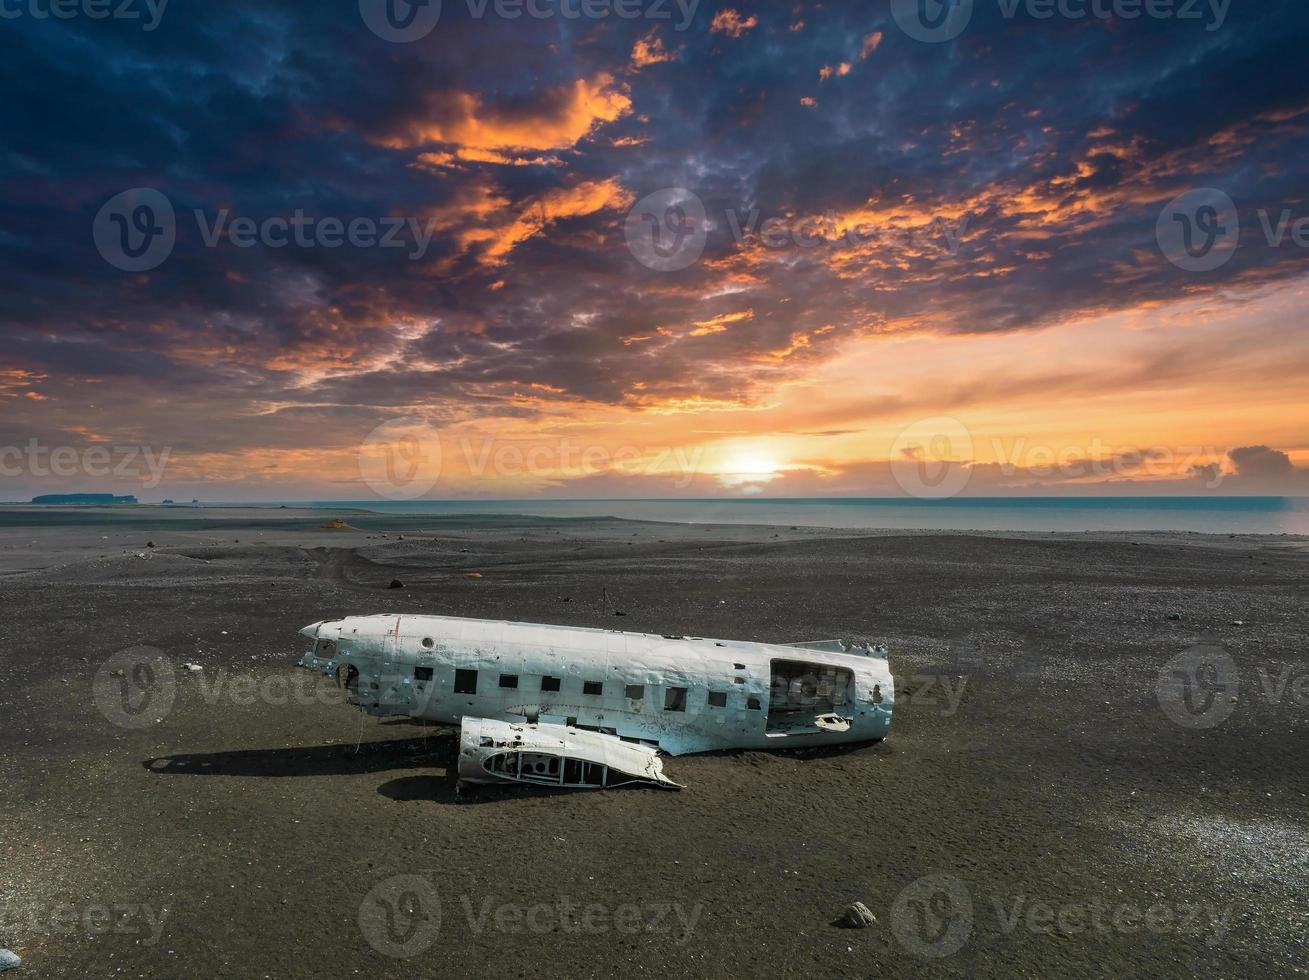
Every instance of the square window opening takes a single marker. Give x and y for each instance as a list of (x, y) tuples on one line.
[(465, 682)]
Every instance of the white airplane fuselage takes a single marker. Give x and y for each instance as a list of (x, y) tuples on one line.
[(682, 694)]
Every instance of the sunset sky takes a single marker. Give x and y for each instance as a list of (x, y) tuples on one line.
[(964, 270)]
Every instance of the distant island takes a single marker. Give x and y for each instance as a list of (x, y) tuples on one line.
[(82, 498)]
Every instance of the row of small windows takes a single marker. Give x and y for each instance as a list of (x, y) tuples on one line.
[(674, 697)]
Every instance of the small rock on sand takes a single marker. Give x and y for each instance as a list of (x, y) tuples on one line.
[(397, 584), (8, 960), (857, 916)]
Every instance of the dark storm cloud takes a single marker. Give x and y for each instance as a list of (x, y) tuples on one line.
[(521, 145)]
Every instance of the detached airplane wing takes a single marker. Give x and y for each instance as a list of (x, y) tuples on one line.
[(493, 751)]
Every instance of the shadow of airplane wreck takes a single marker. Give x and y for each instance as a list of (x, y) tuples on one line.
[(341, 759), (436, 751)]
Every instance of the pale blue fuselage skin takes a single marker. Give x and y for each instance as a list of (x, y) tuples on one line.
[(393, 655)]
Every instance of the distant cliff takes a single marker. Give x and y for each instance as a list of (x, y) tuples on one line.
[(82, 498)]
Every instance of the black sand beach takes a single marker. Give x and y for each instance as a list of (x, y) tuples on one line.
[(1066, 822)]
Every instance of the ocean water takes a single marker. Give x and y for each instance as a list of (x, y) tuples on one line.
[(1215, 515)]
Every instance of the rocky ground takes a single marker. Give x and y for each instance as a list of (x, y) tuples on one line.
[(1045, 805)]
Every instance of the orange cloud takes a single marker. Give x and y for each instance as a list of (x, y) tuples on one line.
[(649, 50), (718, 324), (871, 43), (731, 23), (565, 116), (11, 378), (535, 216)]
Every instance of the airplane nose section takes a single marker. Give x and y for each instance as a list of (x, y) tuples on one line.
[(322, 649)]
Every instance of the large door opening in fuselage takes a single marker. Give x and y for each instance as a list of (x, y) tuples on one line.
[(802, 692)]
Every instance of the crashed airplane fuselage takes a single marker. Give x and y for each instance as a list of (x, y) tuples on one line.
[(679, 694)]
